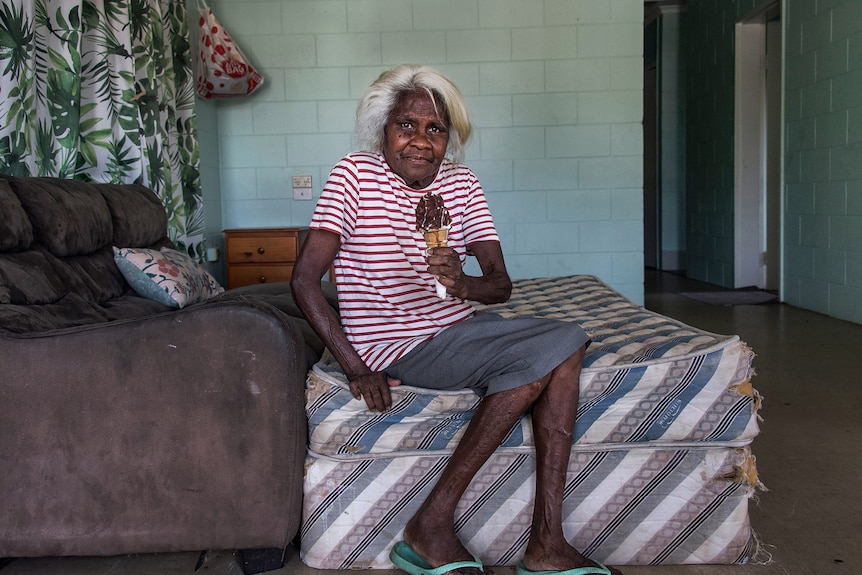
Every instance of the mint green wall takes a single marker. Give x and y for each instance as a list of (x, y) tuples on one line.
[(708, 39), (210, 182), (554, 88), (822, 265), (823, 157)]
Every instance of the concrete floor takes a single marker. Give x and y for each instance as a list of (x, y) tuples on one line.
[(808, 370)]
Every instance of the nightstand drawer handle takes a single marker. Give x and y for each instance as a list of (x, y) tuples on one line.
[(262, 279), (261, 250)]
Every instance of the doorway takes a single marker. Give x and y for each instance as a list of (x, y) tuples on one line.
[(757, 150), (651, 149)]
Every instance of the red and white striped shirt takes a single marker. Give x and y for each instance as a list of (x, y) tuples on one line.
[(387, 298)]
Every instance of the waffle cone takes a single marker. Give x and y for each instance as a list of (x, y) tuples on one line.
[(437, 238)]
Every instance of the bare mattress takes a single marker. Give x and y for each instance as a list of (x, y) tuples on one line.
[(661, 469)]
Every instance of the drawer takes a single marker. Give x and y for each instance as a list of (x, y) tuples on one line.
[(262, 249), (254, 274)]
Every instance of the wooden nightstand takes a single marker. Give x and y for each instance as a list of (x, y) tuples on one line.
[(261, 255)]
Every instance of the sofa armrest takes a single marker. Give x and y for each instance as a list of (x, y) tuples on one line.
[(180, 431), (280, 295)]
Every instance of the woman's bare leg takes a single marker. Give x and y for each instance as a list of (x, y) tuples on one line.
[(431, 531), (554, 414)]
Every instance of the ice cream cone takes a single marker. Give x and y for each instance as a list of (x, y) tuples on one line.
[(436, 238), (432, 219)]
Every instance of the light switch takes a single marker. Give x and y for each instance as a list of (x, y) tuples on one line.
[(301, 181)]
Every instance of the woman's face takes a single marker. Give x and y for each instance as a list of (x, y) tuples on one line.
[(415, 139)]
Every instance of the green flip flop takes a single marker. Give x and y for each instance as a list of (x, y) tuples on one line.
[(403, 556), (596, 569)]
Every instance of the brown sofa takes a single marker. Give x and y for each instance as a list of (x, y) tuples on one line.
[(127, 425)]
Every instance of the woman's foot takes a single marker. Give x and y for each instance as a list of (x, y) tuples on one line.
[(560, 557), (439, 546)]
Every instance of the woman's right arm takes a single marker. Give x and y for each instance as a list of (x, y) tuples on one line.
[(315, 258)]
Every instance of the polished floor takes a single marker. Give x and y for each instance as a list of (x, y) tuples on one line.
[(810, 520)]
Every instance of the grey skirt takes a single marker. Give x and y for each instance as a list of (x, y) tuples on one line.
[(489, 354)]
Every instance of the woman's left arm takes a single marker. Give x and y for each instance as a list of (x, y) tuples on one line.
[(493, 286)]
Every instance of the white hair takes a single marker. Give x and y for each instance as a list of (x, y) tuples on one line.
[(381, 97)]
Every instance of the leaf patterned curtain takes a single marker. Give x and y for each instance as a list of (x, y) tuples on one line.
[(103, 91)]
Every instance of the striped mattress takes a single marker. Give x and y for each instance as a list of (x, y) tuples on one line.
[(661, 469)]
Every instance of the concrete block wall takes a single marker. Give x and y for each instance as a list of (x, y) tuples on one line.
[(210, 184), (708, 37), (554, 88), (823, 157)]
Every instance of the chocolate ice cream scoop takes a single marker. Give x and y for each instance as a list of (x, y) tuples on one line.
[(431, 214)]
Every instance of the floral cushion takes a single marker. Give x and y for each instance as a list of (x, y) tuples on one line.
[(167, 276)]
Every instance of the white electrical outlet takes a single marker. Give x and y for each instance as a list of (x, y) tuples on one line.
[(301, 193)]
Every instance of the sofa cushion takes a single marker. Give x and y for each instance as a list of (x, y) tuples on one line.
[(69, 217), (167, 276), (32, 277), (131, 305), (16, 233), (139, 218), (70, 311), (96, 276)]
